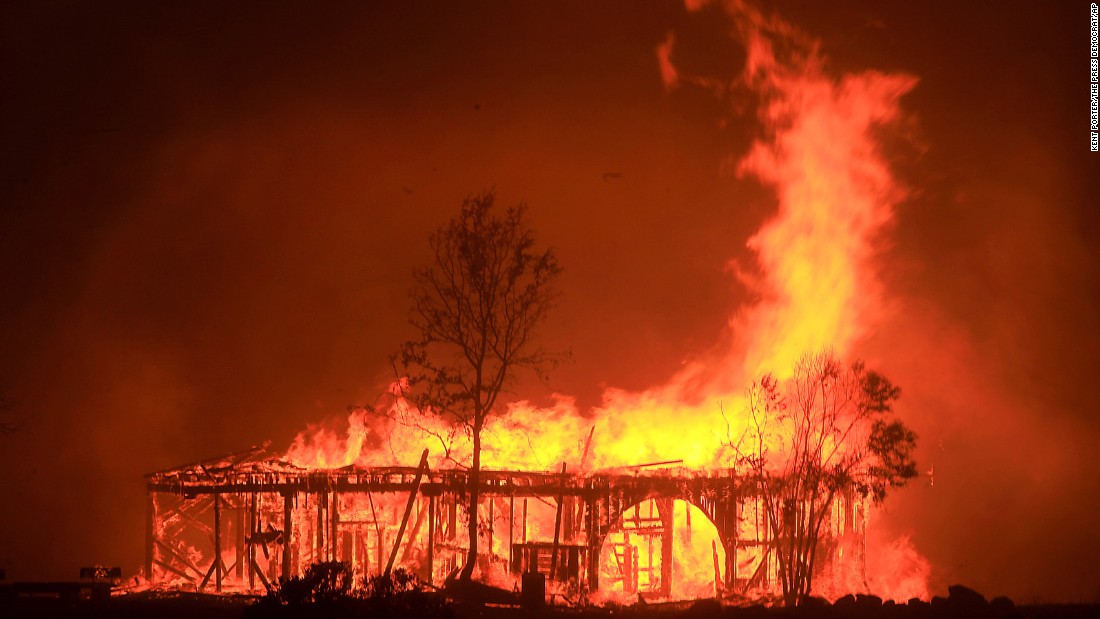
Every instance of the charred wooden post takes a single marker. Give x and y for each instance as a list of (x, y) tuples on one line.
[(288, 528), (217, 542), (377, 531), (630, 565), (421, 514), (731, 564), (731, 540), (238, 525), (489, 530), (253, 528), (717, 570), (431, 538), (452, 520), (319, 528), (667, 517), (150, 517), (333, 536), (557, 526), (379, 548), (592, 534)]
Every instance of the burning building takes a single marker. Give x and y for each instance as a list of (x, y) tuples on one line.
[(247, 521)]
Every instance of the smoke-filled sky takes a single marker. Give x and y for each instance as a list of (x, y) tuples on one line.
[(211, 212)]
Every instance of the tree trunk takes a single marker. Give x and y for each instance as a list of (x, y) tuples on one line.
[(474, 482)]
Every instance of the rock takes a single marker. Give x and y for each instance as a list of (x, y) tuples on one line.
[(868, 601), (965, 597), (860, 607), (848, 601), (1001, 603), (814, 602), (917, 608)]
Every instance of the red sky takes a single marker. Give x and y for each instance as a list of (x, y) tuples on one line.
[(210, 214)]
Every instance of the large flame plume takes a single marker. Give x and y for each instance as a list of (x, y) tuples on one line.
[(813, 280)]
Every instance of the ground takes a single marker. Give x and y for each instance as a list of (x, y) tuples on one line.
[(228, 607)]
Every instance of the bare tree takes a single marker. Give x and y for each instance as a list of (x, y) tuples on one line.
[(477, 308), (823, 432)]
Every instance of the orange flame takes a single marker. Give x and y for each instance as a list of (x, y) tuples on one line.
[(814, 278)]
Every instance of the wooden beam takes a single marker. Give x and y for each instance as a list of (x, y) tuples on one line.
[(665, 509), (377, 532), (334, 537), (717, 570), (217, 543), (255, 569), (253, 528), (209, 573), (184, 560), (557, 526), (587, 445), (420, 514), (150, 516), (173, 569), (240, 561), (287, 529), (593, 541), (431, 538), (319, 543), (408, 510)]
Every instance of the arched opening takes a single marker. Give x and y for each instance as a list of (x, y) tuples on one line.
[(661, 548)]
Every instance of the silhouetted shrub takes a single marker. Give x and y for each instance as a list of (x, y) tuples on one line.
[(403, 594), (323, 583), (385, 586), (325, 590)]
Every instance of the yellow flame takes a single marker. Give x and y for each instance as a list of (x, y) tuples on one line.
[(814, 279)]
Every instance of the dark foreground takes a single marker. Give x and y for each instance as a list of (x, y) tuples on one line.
[(428, 606)]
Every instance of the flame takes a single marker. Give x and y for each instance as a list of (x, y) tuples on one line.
[(814, 281), (696, 550), (897, 571)]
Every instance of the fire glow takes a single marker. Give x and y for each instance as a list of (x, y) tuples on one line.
[(816, 288)]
